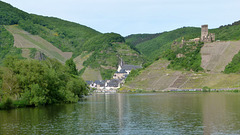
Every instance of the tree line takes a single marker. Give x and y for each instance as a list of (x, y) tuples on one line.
[(34, 83)]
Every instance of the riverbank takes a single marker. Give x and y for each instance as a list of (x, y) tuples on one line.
[(10, 104), (205, 89)]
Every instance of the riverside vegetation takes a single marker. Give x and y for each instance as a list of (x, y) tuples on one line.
[(32, 83)]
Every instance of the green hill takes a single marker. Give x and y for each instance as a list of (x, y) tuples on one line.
[(209, 58), (28, 41), (103, 50), (156, 46), (153, 45), (140, 38)]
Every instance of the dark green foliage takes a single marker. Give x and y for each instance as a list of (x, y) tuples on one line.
[(65, 35), (107, 73), (236, 91), (105, 57), (76, 38), (104, 46), (155, 47), (109, 56), (228, 32), (71, 66), (191, 59), (139, 38), (33, 52), (6, 44), (234, 65), (169, 54), (133, 47), (145, 65), (10, 15), (7, 103), (29, 26), (206, 89), (82, 71), (41, 82), (236, 23), (101, 42)]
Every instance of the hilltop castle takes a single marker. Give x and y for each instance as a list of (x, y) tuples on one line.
[(205, 36)]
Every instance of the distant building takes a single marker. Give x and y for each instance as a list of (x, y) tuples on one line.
[(98, 84), (118, 78), (124, 70), (205, 36), (119, 75), (113, 84)]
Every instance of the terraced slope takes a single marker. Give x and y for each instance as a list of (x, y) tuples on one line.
[(91, 74), (80, 59), (155, 77), (216, 56), (23, 39), (158, 77)]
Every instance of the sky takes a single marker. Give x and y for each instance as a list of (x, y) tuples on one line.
[(136, 16)]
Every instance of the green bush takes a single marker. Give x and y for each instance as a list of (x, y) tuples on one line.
[(206, 89), (33, 52), (6, 44), (7, 103), (191, 59), (234, 65), (41, 82)]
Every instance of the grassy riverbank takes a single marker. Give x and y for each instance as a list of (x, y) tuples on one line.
[(10, 104), (206, 89)]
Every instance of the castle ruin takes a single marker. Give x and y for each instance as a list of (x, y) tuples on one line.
[(205, 36)]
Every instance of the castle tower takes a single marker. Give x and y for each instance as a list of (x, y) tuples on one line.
[(204, 32)]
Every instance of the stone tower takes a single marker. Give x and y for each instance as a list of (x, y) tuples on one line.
[(204, 32)]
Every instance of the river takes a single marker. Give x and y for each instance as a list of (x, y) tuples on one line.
[(154, 113)]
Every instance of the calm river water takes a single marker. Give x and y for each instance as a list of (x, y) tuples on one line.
[(155, 113)]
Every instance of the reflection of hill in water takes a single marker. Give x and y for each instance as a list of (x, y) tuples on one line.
[(160, 113)]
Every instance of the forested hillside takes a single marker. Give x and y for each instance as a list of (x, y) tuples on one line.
[(97, 51), (104, 50), (227, 32), (153, 48), (139, 38), (187, 58), (191, 57), (153, 45)]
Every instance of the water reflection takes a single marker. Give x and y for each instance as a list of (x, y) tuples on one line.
[(221, 113), (165, 113)]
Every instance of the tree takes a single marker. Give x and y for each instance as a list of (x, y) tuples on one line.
[(10, 84), (206, 89), (71, 66)]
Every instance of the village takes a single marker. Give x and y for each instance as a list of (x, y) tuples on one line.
[(117, 80)]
